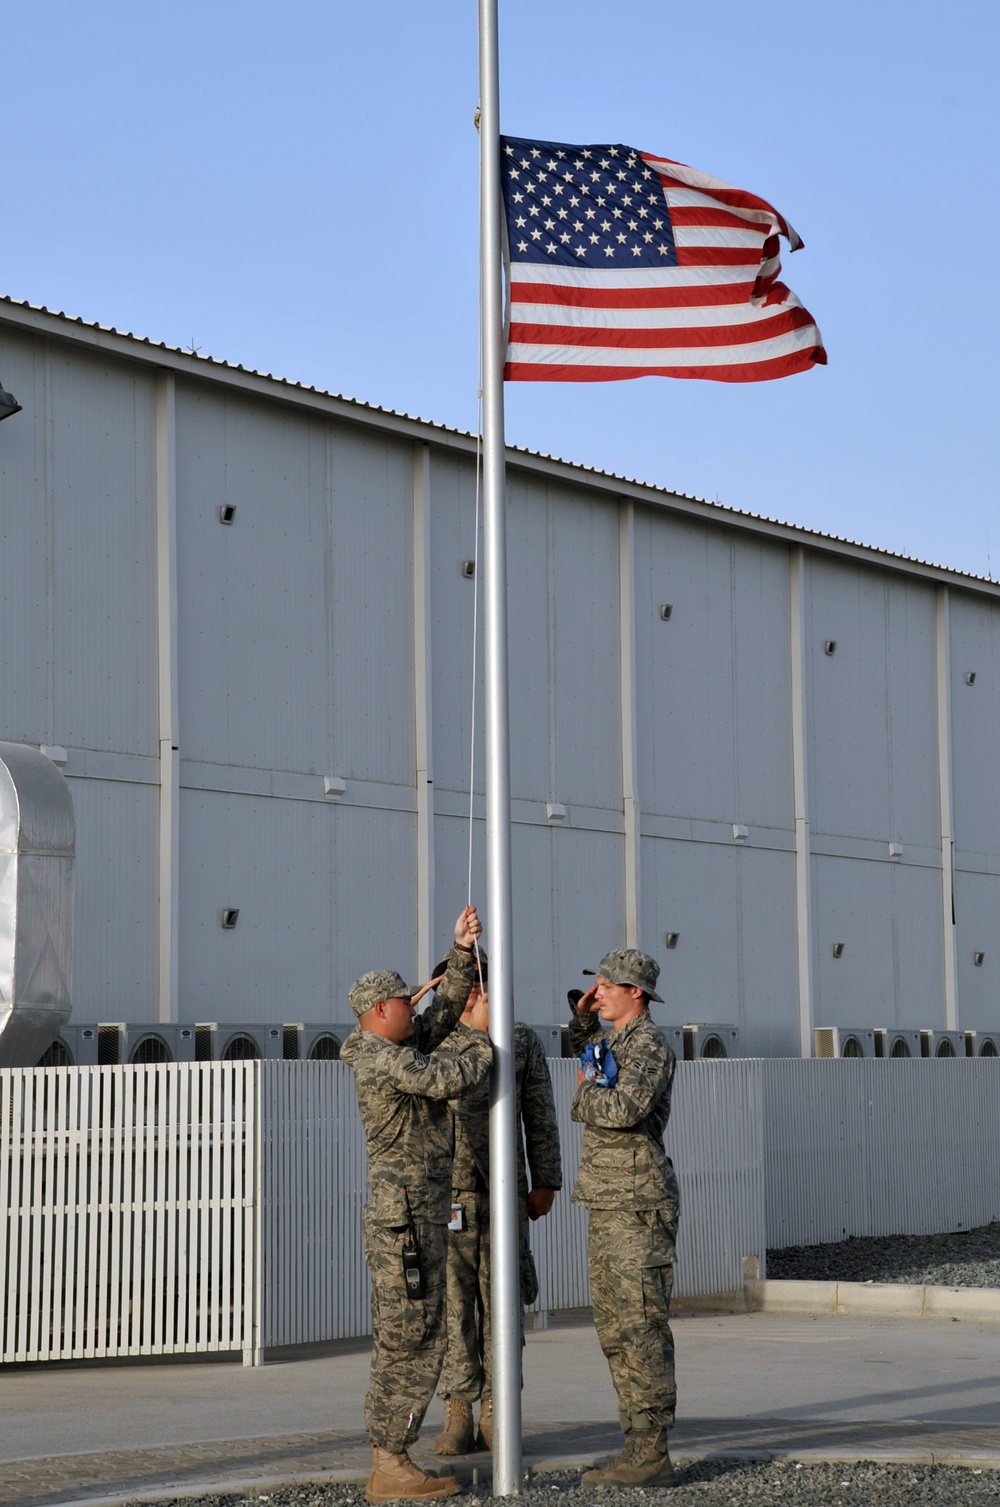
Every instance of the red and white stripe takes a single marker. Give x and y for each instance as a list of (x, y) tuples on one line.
[(720, 314)]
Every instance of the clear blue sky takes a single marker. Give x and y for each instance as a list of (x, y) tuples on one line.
[(295, 188)]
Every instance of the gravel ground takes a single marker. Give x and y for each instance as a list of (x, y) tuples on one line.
[(713, 1483), (968, 1258)]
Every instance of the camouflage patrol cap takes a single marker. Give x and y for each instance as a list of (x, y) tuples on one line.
[(481, 966), (382, 984), (635, 970)]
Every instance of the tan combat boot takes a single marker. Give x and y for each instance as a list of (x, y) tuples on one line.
[(459, 1434), (645, 1461), (395, 1476), (485, 1440)]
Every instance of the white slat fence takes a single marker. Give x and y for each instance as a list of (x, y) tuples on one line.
[(217, 1206), (127, 1200)]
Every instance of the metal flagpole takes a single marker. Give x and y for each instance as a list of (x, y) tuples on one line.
[(505, 1289)]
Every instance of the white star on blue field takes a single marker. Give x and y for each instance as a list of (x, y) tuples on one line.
[(594, 206)]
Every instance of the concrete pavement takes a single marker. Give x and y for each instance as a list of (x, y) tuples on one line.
[(809, 1386)]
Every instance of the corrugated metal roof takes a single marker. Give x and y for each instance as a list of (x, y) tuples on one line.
[(214, 366)]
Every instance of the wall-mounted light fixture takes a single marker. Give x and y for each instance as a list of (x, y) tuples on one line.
[(671, 939), (230, 918), (8, 404), (838, 949), (740, 833), (666, 611), (555, 812), (970, 677), (829, 646), (227, 512), (977, 958), (334, 787), (895, 850), (55, 753), (468, 569)]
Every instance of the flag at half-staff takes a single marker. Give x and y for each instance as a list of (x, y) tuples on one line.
[(623, 264)]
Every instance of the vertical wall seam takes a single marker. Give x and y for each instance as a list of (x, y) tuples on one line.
[(630, 767), (168, 950), (943, 637), (800, 795), (422, 690)]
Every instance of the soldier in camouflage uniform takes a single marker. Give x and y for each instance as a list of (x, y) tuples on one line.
[(404, 1089), (468, 1368), (628, 1183)]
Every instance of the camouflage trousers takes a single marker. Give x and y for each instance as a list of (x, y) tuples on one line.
[(630, 1258), (408, 1335), (468, 1365)]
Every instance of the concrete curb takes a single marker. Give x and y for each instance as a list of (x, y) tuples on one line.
[(891, 1300), (547, 1466)]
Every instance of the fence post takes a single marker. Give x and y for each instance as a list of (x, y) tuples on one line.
[(252, 1353)]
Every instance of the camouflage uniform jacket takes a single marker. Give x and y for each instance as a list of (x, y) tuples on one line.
[(623, 1164), (536, 1112), (403, 1097)]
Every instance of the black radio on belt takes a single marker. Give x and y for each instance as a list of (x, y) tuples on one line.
[(412, 1275)]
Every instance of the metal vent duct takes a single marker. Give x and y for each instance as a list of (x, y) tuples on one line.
[(36, 904)]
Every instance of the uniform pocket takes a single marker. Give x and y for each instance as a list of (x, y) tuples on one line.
[(417, 1324), (657, 1287), (610, 1169)]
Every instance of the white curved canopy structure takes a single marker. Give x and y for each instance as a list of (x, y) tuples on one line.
[(37, 833)]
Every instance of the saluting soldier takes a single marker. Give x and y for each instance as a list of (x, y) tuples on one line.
[(467, 1376), (628, 1183), (405, 1088)]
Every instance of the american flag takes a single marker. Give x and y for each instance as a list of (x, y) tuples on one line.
[(622, 264)]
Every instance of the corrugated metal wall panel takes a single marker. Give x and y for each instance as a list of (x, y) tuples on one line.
[(715, 1140), (977, 929), (452, 488), (975, 723), (559, 1241), (253, 597), (296, 658), (767, 954), (913, 751), (684, 671), (848, 712), (373, 919), (273, 861), (853, 905), (761, 681), (451, 876), (26, 548), (918, 948), (691, 888), (568, 904), (589, 904), (314, 1280), (536, 905), (879, 1148), (371, 607), (103, 558), (114, 944), (531, 648), (584, 657), (76, 553)]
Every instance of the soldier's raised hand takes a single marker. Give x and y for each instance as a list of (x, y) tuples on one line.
[(467, 928), (587, 1003)]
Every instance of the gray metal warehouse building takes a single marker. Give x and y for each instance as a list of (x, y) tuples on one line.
[(238, 614)]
